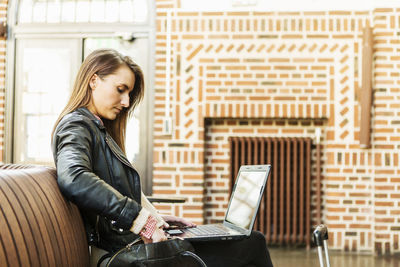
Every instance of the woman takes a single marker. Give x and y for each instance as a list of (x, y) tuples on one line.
[(88, 144)]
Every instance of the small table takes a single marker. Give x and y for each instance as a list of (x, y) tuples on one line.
[(166, 199)]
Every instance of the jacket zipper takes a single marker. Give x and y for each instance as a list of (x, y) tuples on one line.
[(111, 146), (96, 227)]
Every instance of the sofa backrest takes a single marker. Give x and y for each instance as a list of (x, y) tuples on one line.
[(38, 226)]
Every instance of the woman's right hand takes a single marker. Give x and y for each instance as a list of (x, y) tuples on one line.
[(157, 236)]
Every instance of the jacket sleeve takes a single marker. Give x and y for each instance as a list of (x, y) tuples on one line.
[(72, 152)]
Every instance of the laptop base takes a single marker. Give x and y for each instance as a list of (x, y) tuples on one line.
[(210, 232)]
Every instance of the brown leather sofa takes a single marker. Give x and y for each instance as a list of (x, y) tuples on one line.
[(38, 226)]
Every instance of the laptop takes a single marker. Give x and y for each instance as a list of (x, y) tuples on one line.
[(241, 212)]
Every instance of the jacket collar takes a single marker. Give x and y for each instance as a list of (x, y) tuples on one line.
[(111, 143), (84, 111)]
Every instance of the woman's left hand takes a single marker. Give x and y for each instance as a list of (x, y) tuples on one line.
[(180, 222)]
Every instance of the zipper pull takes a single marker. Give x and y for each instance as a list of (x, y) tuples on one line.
[(133, 243)]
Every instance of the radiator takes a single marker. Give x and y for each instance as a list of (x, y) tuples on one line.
[(284, 215)]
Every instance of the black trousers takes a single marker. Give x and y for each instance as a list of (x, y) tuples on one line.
[(251, 251)]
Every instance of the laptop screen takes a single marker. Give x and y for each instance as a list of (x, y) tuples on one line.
[(244, 201)]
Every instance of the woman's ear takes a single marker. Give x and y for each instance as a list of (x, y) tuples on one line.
[(93, 81)]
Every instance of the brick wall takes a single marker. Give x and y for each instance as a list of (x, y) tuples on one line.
[(386, 131), (284, 69)]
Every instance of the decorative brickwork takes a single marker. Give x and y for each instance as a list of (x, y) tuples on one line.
[(233, 69), (161, 4)]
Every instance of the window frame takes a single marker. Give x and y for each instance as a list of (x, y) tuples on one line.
[(79, 31)]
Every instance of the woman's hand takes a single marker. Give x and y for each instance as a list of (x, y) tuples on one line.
[(157, 236), (180, 222)]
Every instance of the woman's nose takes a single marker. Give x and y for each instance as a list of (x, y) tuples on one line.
[(125, 100)]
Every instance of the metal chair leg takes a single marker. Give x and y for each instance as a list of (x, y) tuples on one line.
[(320, 237)]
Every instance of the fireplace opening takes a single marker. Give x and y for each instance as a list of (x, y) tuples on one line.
[(284, 215)]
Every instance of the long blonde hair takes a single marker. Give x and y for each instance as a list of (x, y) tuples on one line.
[(104, 62)]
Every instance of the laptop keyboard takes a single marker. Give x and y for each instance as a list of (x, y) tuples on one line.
[(207, 230)]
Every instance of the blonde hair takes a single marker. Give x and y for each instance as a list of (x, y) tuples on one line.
[(103, 62)]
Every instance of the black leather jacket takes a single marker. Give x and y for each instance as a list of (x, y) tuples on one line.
[(95, 174)]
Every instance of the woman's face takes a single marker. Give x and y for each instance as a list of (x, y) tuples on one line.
[(111, 94)]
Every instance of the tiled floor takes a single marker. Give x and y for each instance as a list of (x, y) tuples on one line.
[(300, 257)]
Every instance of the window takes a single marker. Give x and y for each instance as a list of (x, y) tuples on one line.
[(50, 39), (45, 70), (77, 11)]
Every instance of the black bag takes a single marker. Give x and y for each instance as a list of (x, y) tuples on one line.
[(173, 252)]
